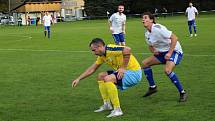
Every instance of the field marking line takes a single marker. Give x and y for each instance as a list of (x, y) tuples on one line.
[(84, 51), (23, 37)]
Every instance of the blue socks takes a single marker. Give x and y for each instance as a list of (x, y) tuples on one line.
[(172, 76), (149, 76), (176, 81)]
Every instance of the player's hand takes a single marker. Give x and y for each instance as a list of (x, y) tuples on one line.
[(167, 56), (124, 32), (121, 72), (111, 29), (75, 83), (156, 52)]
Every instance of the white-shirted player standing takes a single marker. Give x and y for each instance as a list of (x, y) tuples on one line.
[(166, 50), (47, 19), (191, 13), (117, 23)]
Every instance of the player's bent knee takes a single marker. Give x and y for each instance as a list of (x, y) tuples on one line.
[(167, 71), (145, 64), (109, 78), (101, 75)]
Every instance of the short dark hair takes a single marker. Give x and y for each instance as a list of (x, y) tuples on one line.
[(97, 41), (121, 5), (151, 16)]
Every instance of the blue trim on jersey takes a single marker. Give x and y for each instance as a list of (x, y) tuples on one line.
[(114, 48), (119, 38), (175, 57)]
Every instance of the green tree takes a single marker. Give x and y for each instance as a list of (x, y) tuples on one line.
[(4, 5), (100, 7)]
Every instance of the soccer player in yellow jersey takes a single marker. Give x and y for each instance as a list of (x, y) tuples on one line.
[(126, 73)]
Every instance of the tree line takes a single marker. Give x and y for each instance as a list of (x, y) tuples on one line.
[(100, 7)]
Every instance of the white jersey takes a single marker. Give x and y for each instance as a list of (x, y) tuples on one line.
[(117, 21), (159, 38), (191, 11), (47, 20)]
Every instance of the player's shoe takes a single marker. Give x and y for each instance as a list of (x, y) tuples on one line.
[(150, 91), (183, 97), (191, 35), (195, 35), (115, 113), (104, 107)]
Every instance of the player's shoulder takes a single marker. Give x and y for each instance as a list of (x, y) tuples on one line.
[(113, 47), (114, 14), (158, 26)]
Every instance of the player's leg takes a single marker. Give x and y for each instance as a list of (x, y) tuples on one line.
[(49, 31), (147, 63), (194, 27), (190, 28), (122, 39), (103, 91), (116, 39), (170, 65), (110, 81), (45, 30)]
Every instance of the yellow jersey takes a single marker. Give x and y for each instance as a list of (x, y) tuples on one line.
[(114, 58)]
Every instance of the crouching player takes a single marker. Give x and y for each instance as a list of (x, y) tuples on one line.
[(126, 73)]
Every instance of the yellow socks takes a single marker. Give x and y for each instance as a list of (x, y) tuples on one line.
[(113, 94), (103, 91)]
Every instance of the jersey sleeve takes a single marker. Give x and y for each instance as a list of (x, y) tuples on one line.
[(186, 10), (195, 10), (111, 18)]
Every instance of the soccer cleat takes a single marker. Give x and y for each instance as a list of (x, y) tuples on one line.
[(150, 91), (183, 97), (195, 35), (191, 35), (115, 113), (103, 108)]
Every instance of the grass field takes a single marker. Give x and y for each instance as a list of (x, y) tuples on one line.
[(36, 74)]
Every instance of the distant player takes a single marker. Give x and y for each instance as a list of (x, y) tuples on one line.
[(126, 73), (117, 23), (47, 20), (191, 13), (166, 50)]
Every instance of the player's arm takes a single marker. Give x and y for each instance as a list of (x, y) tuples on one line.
[(153, 50), (110, 23), (85, 74), (43, 22), (126, 52), (196, 12), (123, 27), (110, 26), (186, 12), (174, 40)]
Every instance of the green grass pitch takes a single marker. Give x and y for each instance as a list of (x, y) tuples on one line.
[(36, 73)]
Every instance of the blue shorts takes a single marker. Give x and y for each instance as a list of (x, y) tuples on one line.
[(130, 78), (191, 23), (47, 28), (119, 38), (175, 57)]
